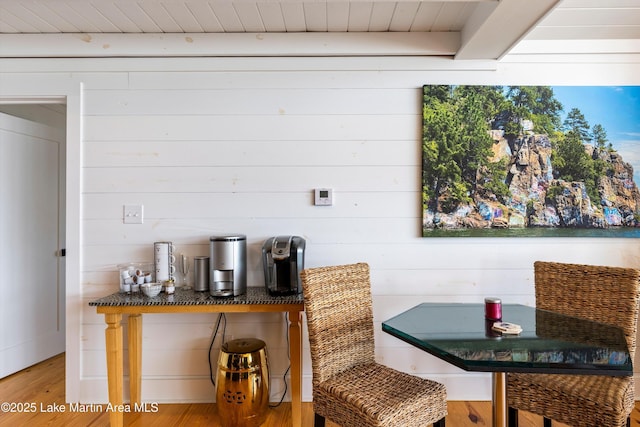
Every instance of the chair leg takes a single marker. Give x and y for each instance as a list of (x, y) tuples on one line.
[(512, 417), (439, 423), (546, 422), (629, 421), (318, 421)]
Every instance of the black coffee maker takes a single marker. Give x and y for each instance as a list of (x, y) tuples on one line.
[(283, 260)]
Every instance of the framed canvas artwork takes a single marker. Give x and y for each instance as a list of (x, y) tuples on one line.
[(530, 161)]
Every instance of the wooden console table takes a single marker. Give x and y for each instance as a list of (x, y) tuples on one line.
[(256, 300)]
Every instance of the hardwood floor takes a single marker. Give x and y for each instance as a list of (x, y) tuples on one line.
[(38, 392)]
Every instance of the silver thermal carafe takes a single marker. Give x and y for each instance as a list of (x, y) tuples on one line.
[(283, 260), (228, 265), (201, 272)]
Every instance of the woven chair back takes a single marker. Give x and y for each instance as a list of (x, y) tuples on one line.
[(603, 294), (339, 314)]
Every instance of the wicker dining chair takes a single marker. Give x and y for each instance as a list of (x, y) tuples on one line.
[(349, 387), (604, 294)]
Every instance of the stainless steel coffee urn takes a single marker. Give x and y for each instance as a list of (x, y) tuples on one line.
[(283, 260), (228, 264)]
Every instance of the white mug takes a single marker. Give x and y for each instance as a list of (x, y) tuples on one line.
[(164, 272), (163, 249)]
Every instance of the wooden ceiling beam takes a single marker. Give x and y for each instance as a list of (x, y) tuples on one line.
[(100, 45), (495, 28)]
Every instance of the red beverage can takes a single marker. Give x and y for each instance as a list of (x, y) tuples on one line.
[(493, 308)]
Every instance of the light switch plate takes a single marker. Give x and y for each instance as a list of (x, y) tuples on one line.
[(133, 214)]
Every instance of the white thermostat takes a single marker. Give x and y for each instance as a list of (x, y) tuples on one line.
[(324, 197)]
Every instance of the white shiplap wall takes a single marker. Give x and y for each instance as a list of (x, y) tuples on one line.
[(237, 145)]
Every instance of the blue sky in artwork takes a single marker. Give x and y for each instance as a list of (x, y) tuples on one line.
[(616, 108)]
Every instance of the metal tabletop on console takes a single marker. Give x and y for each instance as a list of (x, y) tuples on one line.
[(254, 295)]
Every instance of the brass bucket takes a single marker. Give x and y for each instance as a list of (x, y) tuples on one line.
[(242, 392)]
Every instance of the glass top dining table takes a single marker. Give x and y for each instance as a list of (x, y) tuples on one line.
[(549, 343)]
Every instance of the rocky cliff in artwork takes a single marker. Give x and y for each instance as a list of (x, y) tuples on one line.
[(539, 199)]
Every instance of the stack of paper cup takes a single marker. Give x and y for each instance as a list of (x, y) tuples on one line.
[(164, 261)]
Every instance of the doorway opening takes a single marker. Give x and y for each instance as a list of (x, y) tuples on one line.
[(59, 109), (32, 181)]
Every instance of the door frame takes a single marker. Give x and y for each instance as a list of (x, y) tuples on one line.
[(70, 95)]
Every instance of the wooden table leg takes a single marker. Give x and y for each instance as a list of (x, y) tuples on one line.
[(295, 353), (499, 385), (113, 335), (135, 358)]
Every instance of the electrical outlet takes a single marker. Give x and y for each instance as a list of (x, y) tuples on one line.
[(132, 214)]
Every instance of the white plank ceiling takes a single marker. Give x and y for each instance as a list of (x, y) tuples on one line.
[(464, 29)]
